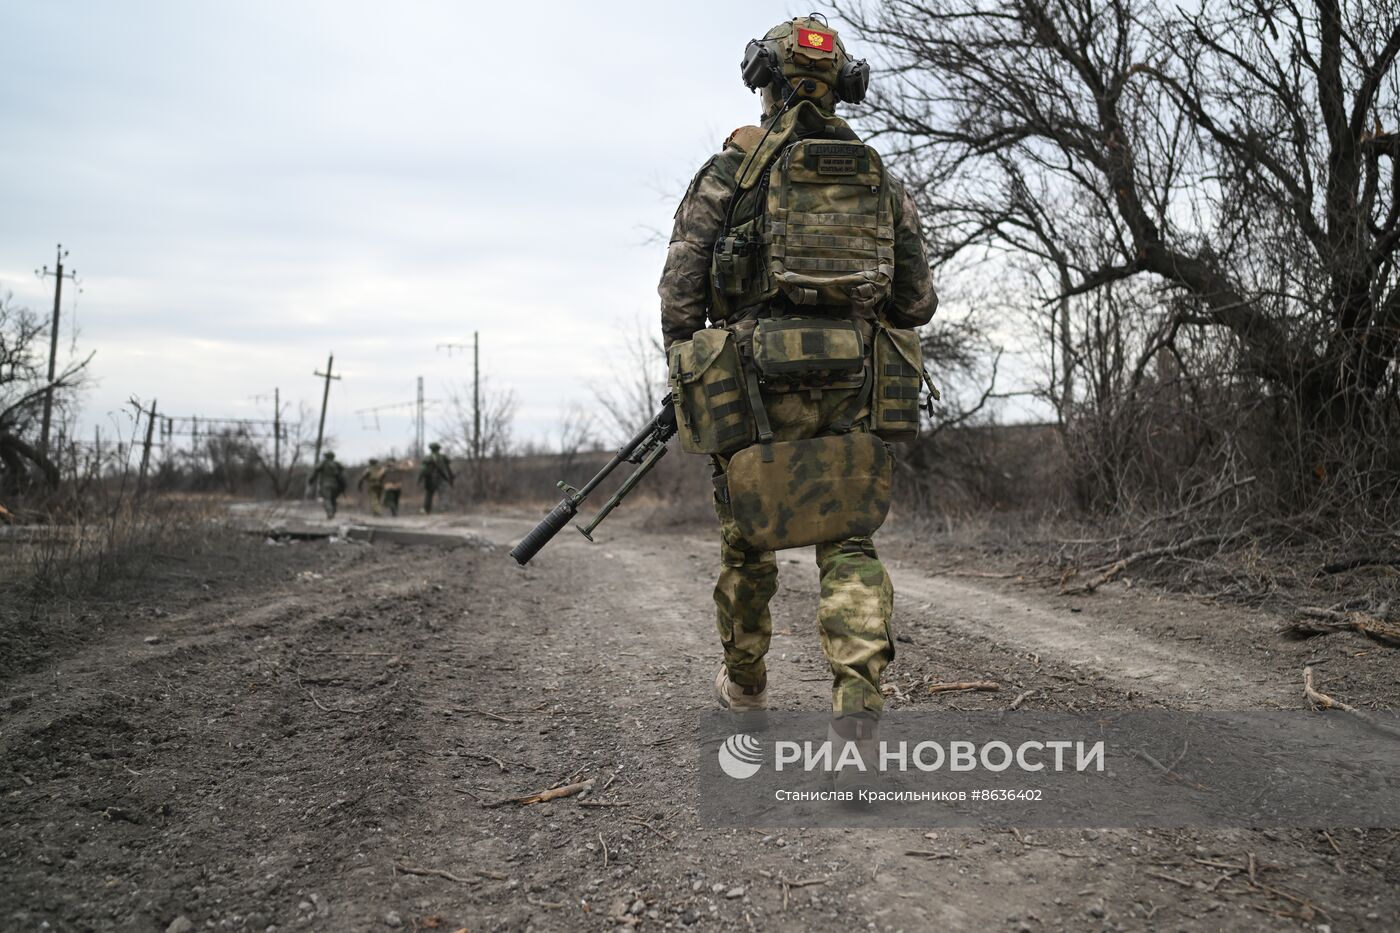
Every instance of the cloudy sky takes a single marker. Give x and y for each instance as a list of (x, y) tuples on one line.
[(247, 187)]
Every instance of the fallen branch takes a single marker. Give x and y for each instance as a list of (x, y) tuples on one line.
[(1024, 841), (653, 829), (929, 855), (1021, 698), (1194, 506), (989, 686), (1168, 771), (981, 574), (431, 872), (1166, 877), (1356, 563), (1318, 621), (1321, 700), (334, 709), (1109, 572), (499, 763), (544, 796)]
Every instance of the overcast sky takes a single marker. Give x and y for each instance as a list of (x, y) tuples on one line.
[(246, 187)]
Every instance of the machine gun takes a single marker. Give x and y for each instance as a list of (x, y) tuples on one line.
[(646, 448)]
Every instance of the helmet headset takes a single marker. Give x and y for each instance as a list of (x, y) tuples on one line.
[(798, 50)]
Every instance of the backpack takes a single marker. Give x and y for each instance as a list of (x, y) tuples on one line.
[(822, 236)]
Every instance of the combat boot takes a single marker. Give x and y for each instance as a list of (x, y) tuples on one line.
[(739, 699), (863, 732)]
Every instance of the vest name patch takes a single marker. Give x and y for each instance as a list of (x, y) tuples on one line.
[(849, 150), (836, 165)]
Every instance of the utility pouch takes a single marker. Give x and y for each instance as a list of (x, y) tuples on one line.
[(811, 491), (803, 349), (899, 375), (731, 266), (707, 384)]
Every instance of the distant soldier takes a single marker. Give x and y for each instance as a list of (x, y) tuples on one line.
[(373, 478), (393, 489), (328, 478), (436, 470)]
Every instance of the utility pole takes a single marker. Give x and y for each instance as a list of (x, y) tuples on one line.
[(146, 448), (58, 276), (276, 437), (325, 400), (477, 447), (418, 438), (476, 398), (277, 432)]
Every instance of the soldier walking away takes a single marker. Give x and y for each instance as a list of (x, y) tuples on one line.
[(436, 470), (373, 479), (393, 492), (328, 479), (806, 258), (393, 488)]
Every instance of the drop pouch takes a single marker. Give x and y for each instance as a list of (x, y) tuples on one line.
[(811, 491), (899, 376), (707, 385)]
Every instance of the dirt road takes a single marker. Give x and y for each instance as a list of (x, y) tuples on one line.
[(306, 735)]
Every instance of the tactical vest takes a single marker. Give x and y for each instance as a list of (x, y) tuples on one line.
[(807, 249), (812, 225)]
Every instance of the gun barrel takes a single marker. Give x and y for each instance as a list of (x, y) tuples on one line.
[(541, 534), (653, 437), (627, 486)]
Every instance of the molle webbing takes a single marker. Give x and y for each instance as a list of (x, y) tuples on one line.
[(828, 237)]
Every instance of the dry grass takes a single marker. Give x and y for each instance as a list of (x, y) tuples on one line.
[(89, 547)]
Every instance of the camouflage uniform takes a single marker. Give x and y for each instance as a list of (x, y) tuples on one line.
[(329, 480), (436, 470), (374, 479), (856, 596)]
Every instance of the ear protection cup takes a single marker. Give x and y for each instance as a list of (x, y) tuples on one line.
[(759, 67), (852, 81)]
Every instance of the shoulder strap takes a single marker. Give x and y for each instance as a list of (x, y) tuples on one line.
[(745, 138)]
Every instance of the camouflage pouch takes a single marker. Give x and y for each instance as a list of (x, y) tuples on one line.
[(712, 408), (814, 490), (800, 349), (899, 375)]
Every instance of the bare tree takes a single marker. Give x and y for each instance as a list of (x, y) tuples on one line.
[(1228, 171), (575, 434), (23, 384), (298, 445), (496, 440), (633, 392)]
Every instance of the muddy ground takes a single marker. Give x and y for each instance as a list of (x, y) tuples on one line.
[(305, 735)]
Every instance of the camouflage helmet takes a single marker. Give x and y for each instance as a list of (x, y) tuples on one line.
[(806, 50), (435, 447), (373, 461), (329, 455)]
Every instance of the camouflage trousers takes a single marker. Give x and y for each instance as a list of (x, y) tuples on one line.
[(376, 498), (857, 599), (429, 493)]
